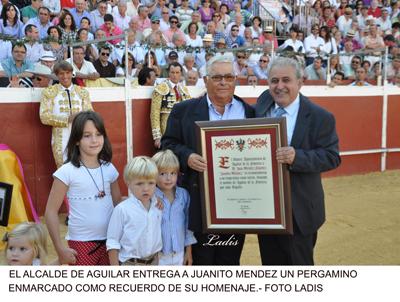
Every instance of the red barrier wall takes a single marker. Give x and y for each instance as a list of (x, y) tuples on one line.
[(359, 126)]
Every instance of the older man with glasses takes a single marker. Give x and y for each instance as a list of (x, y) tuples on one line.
[(219, 103)]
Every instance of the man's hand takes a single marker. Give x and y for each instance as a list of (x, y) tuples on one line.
[(285, 155), (14, 82), (196, 162), (157, 143)]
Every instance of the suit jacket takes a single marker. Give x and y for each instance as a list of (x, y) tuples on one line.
[(317, 150), (181, 139)]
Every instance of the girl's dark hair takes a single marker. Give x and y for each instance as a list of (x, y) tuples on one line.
[(79, 32), (78, 124), (6, 7), (123, 61), (62, 23), (328, 37), (58, 30)]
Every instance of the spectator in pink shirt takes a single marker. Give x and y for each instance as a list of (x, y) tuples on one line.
[(111, 29), (143, 18)]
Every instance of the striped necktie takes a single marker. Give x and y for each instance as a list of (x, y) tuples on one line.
[(278, 112)]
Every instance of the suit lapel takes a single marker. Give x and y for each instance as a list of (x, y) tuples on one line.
[(201, 110), (301, 123)]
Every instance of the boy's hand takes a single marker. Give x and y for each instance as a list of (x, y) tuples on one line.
[(159, 204), (188, 259)]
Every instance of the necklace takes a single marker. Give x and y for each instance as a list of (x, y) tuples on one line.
[(101, 193)]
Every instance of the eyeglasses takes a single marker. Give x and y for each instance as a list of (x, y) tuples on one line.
[(155, 22), (234, 30), (241, 57), (355, 62), (173, 22), (165, 13), (264, 61), (105, 54), (216, 16), (219, 77)]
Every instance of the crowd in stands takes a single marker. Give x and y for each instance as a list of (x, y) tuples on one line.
[(332, 38)]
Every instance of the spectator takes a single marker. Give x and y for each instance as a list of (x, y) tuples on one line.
[(53, 6), (132, 70), (42, 22), (240, 66), (334, 65), (337, 79), (143, 18), (393, 67), (192, 38), (396, 80), (48, 59), (168, 34), (146, 77), (188, 63), (133, 47), (79, 11), (196, 18), (97, 15), (155, 26), (121, 18), (216, 19), (54, 43), (111, 29), (313, 44), (83, 69), (233, 40), (150, 61), (17, 64), (102, 65), (256, 30), (164, 22), (212, 30), (350, 71), (132, 8), (268, 35), (327, 18), (362, 18), (201, 55), (206, 11), (41, 77), (86, 24), (252, 80), (239, 23), (34, 49), (5, 50), (237, 10), (373, 41), (10, 24), (184, 12), (384, 22), (157, 11), (31, 11), (67, 26), (91, 53), (134, 26), (223, 11), (344, 21), (261, 69), (297, 45), (192, 79), (361, 78), (374, 10), (329, 46), (315, 71)]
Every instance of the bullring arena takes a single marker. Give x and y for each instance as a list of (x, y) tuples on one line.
[(362, 195)]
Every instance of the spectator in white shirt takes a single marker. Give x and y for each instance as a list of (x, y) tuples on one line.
[(121, 19), (83, 69), (34, 50), (313, 44), (344, 21)]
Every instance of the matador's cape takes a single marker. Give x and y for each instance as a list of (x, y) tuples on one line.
[(22, 208)]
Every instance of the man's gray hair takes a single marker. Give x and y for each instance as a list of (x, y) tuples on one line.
[(219, 59), (188, 57), (283, 62)]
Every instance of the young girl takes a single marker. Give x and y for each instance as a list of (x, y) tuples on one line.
[(90, 181), (134, 232), (26, 244), (177, 239)]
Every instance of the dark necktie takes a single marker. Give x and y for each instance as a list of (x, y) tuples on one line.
[(177, 94), (69, 99)]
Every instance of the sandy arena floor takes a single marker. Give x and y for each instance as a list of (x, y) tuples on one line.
[(362, 227)]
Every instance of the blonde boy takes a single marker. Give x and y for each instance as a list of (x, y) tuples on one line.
[(176, 237), (134, 231)]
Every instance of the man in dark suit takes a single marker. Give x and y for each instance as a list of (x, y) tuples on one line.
[(218, 104), (313, 148)]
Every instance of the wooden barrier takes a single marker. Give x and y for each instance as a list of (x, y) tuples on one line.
[(365, 128)]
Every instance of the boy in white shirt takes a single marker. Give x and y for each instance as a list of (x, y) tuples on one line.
[(134, 231)]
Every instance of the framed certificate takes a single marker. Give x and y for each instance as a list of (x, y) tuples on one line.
[(5, 202), (244, 189)]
